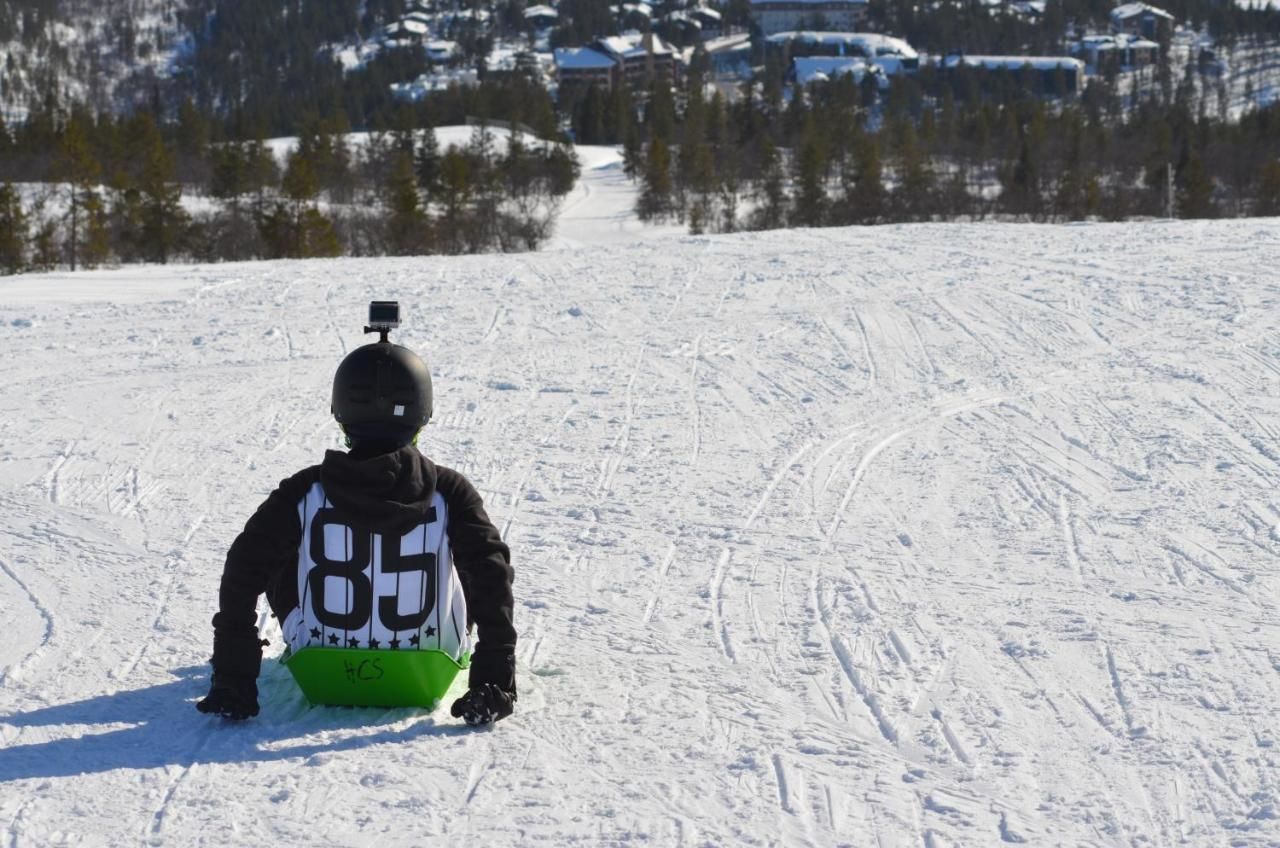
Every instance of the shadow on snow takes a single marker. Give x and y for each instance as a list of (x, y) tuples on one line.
[(167, 730)]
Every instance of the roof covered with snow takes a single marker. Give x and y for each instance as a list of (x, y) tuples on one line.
[(788, 3), (867, 43), (541, 12), (814, 68), (1007, 63), (642, 9), (1133, 10), (631, 45), (582, 59), (412, 26), (1118, 41)]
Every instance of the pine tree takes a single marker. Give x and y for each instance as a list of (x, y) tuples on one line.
[(164, 222), (76, 166), (485, 191), (295, 228), (632, 151), (96, 247), (660, 113), (44, 247), (865, 198), (1267, 194), (656, 202), (406, 222), (810, 169), (771, 190), (426, 162), (13, 231), (1195, 190), (730, 189), (455, 191), (702, 189)]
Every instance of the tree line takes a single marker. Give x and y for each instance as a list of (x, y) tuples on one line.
[(939, 146), (79, 189)]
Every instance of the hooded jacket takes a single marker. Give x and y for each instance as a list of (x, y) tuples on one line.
[(381, 492)]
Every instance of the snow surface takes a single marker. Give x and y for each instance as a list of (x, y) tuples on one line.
[(946, 534)]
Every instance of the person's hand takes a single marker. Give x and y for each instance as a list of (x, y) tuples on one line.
[(230, 696), (484, 704)]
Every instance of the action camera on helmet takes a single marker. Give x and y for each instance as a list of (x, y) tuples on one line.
[(384, 316), (382, 391)]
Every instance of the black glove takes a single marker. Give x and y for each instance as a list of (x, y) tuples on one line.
[(483, 704), (231, 696)]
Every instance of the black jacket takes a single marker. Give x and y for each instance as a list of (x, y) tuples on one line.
[(383, 492)]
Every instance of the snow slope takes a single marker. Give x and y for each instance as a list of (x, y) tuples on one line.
[(921, 535)]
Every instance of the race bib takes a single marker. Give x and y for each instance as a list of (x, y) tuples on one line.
[(359, 589)]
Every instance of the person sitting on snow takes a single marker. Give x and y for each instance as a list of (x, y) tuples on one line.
[(376, 548)]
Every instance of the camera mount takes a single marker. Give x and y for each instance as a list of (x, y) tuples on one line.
[(384, 316)]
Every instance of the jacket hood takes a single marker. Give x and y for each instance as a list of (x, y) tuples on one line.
[(384, 492)]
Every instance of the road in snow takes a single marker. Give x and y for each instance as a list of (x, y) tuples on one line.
[(920, 535)]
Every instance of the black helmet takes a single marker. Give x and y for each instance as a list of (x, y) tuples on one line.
[(382, 391)]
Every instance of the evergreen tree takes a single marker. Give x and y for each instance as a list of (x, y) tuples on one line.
[(76, 166), (163, 220), (406, 220), (44, 247), (295, 228), (702, 189), (865, 199), (771, 192), (914, 197), (811, 193), (96, 247), (1267, 195), (485, 191), (632, 151), (455, 193), (426, 162), (13, 231), (656, 202), (660, 113), (730, 189), (1195, 190), (1020, 194)]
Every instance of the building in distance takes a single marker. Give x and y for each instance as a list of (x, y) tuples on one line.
[(774, 16)]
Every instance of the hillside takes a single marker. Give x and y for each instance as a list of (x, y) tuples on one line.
[(105, 53), (902, 535)]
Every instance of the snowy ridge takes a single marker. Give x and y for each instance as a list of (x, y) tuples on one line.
[(919, 535)]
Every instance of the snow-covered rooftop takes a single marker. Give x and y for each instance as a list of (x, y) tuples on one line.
[(541, 12), (736, 41), (642, 9), (582, 58), (630, 45), (412, 26), (814, 68), (441, 50), (1005, 63), (1117, 41), (868, 43), (1132, 10)]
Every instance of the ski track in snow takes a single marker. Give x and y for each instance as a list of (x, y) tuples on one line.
[(920, 535)]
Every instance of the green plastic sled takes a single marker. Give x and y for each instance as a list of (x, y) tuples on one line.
[(357, 677)]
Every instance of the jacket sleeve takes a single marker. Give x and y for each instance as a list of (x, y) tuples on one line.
[(483, 562), (267, 545)]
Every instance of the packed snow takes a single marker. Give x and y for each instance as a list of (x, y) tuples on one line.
[(920, 535)]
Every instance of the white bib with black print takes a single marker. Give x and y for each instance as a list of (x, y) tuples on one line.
[(359, 589)]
